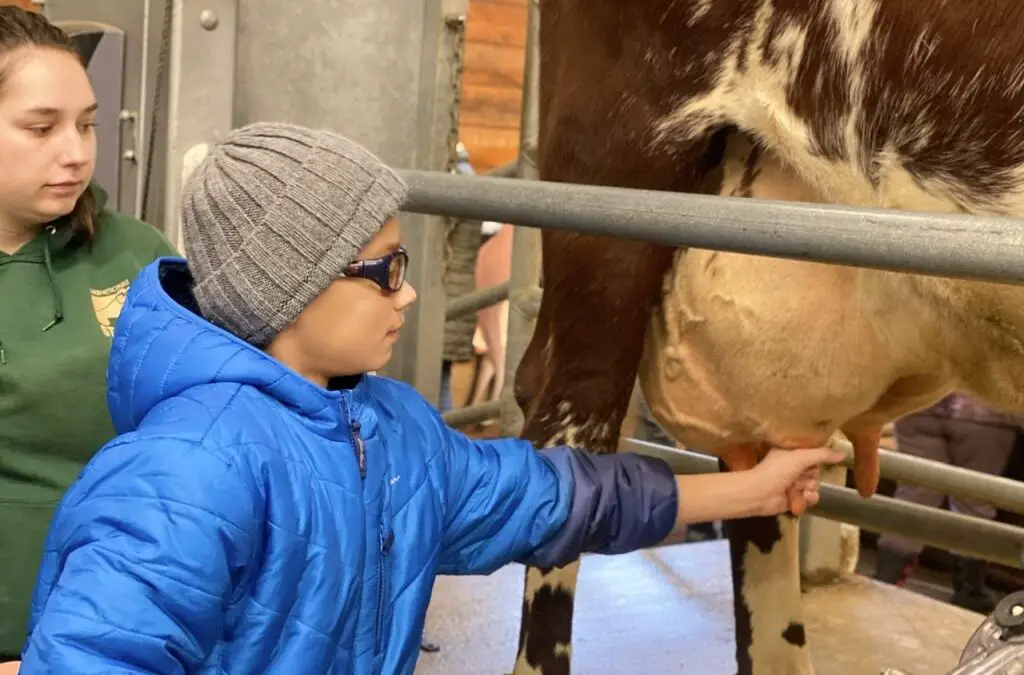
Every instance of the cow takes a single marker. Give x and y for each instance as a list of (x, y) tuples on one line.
[(903, 104)]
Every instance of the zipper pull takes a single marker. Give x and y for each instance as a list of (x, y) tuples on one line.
[(386, 542), (360, 448)]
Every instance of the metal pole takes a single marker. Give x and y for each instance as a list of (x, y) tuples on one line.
[(526, 242), (1004, 493), (477, 300), (506, 170), (940, 244), (974, 537), (472, 414)]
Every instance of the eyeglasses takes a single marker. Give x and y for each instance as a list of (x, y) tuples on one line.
[(387, 271)]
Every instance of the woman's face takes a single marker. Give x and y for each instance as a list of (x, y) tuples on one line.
[(47, 137)]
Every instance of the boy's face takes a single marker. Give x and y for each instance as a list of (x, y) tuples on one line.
[(352, 326)]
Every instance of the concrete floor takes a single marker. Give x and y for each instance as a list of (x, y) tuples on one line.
[(671, 609)]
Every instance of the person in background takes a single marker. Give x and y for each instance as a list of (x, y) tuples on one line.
[(462, 238), (965, 433), (271, 507), (65, 264)]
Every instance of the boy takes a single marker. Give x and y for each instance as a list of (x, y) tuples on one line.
[(270, 508)]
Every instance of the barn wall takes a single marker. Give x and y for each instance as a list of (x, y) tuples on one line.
[(24, 4), (492, 81)]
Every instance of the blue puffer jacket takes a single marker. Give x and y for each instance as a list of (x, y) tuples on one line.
[(249, 521)]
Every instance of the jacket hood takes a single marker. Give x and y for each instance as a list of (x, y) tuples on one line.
[(162, 347)]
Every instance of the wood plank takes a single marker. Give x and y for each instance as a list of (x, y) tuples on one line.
[(493, 65), (496, 23), (484, 158), (24, 4), (492, 81), (497, 107), (517, 3), (506, 139), (489, 148)]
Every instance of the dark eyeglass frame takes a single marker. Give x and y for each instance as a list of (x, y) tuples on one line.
[(378, 270)]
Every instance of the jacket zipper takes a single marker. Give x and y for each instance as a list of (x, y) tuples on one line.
[(357, 441), (384, 539)]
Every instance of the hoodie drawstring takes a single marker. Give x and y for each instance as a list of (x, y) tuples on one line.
[(58, 308)]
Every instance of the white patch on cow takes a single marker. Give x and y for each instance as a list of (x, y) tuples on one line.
[(773, 598), (853, 23), (755, 99), (563, 579), (700, 10), (849, 549)]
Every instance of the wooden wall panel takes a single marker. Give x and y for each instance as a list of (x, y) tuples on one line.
[(24, 4), (492, 81), (496, 23)]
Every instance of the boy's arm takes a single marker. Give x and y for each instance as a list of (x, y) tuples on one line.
[(507, 502), (141, 560)]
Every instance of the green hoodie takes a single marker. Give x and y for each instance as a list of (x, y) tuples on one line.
[(59, 298)]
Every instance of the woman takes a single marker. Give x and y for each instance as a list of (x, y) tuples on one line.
[(65, 264)]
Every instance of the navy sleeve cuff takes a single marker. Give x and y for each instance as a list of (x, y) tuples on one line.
[(620, 503)]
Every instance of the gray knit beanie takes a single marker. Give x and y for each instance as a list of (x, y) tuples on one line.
[(272, 216)]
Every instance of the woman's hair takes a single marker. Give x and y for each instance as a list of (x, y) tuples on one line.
[(22, 28)]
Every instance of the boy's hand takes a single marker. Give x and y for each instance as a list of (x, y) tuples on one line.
[(791, 478)]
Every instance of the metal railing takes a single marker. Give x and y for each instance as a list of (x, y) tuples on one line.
[(941, 244), (457, 308), (946, 479), (975, 537), (949, 245)]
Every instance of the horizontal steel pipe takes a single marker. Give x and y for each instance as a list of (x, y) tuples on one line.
[(975, 537), (1004, 493), (475, 301), (472, 414), (506, 170), (941, 244)]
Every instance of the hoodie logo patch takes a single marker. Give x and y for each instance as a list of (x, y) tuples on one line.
[(107, 303)]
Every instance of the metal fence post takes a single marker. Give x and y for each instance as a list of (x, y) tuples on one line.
[(524, 282), (200, 93), (417, 357)]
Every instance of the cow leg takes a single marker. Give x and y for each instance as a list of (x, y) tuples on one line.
[(765, 559), (576, 377), (764, 555), (575, 383)]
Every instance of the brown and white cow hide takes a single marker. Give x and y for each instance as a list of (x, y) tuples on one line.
[(746, 350), (904, 104)]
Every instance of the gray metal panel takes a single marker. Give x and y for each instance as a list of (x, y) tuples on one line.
[(200, 94), (141, 21), (349, 65), (102, 45), (368, 69)]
